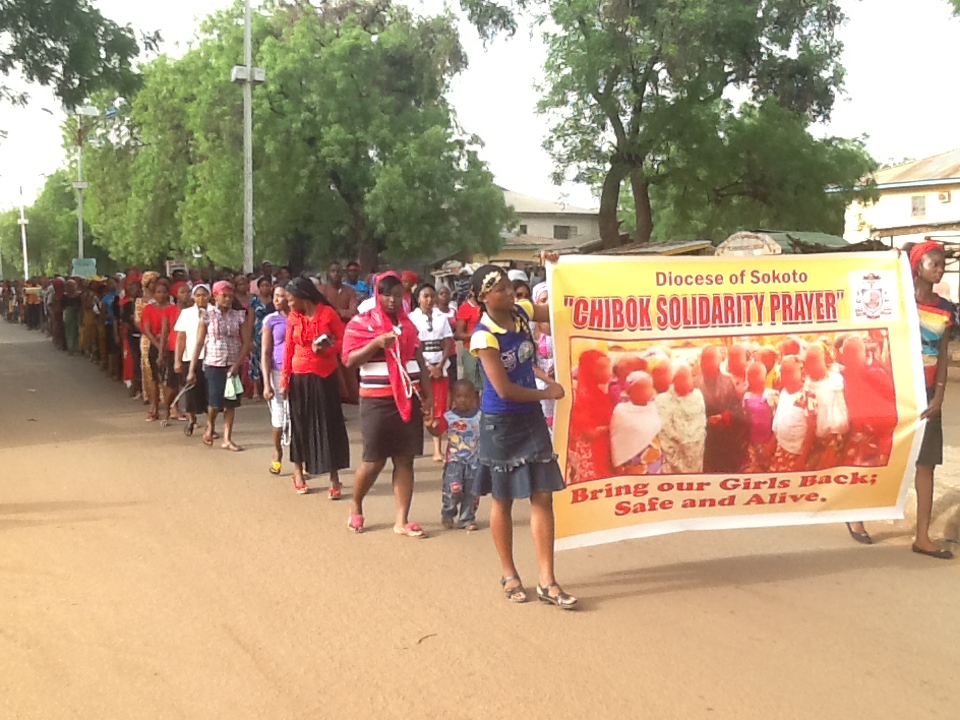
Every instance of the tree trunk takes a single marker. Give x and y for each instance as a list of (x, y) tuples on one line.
[(641, 200), (297, 245), (366, 246), (609, 205)]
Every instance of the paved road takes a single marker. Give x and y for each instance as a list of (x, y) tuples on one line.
[(145, 576)]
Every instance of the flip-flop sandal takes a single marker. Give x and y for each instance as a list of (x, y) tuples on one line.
[(335, 492), (355, 523), (232, 447), (188, 429), (275, 467), (302, 488), (207, 441), (411, 530)]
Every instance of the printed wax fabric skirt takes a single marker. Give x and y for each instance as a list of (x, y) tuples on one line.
[(931, 449), (516, 456), (318, 434), (385, 434)]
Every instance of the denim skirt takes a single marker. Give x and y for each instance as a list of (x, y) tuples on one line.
[(516, 456)]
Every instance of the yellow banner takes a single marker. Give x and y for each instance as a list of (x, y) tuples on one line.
[(718, 392)]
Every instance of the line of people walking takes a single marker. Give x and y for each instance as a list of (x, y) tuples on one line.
[(192, 348)]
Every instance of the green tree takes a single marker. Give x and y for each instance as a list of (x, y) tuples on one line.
[(635, 87), (357, 152), (67, 45), (51, 232), (760, 168)]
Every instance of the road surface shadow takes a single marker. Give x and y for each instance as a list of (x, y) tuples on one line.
[(748, 570), (57, 506)]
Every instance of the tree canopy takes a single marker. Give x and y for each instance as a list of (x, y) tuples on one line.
[(67, 45), (659, 94), (357, 153), (51, 232)]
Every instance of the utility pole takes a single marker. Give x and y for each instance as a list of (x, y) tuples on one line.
[(23, 238), (249, 76), (80, 185)]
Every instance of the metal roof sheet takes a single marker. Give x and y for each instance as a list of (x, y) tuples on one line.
[(938, 167), (527, 205)]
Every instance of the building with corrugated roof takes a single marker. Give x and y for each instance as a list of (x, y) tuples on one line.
[(917, 200)]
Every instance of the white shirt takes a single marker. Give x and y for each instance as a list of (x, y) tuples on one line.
[(432, 332), (189, 324)]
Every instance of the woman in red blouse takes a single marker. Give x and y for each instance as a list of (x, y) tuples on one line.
[(156, 323), (318, 434)]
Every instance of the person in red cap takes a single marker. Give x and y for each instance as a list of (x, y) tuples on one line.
[(937, 316)]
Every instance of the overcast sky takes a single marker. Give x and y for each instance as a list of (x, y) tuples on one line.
[(899, 56)]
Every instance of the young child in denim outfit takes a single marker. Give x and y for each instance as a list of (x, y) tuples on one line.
[(461, 495)]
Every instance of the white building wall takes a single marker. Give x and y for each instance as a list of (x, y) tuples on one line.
[(542, 225), (895, 208)]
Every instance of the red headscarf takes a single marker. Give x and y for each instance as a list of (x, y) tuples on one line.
[(920, 249), (362, 329)]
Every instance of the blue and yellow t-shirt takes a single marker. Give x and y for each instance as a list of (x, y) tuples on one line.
[(935, 320), (517, 352)]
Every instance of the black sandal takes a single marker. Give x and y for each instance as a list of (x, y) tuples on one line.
[(939, 554), (188, 428), (562, 600), (515, 594)]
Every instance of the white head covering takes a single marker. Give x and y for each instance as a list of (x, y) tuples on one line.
[(538, 290), (199, 286), (517, 275)]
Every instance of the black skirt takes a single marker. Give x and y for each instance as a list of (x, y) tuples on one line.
[(318, 434), (195, 401), (931, 447), (385, 434)]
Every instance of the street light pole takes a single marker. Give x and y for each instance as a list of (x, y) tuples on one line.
[(80, 185), (249, 76), (247, 141), (23, 237)]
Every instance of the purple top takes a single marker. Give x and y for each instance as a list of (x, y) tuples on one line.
[(761, 419), (277, 324)]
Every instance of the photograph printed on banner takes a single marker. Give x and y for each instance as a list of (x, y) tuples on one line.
[(733, 405)]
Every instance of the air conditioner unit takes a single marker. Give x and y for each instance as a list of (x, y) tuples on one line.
[(944, 196)]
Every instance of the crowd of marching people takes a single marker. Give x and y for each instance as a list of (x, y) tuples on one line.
[(193, 346), (473, 363)]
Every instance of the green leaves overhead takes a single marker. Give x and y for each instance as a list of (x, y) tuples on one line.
[(761, 169), (68, 45), (641, 91), (356, 150)]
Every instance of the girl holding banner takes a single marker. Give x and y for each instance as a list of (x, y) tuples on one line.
[(937, 316), (516, 451)]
